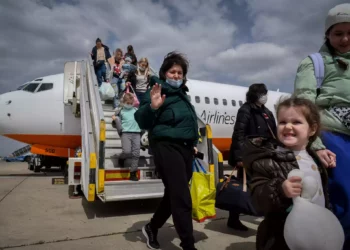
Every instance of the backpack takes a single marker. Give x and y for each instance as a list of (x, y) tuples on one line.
[(317, 60)]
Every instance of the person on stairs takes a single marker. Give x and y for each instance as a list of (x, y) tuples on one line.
[(130, 136), (143, 74), (100, 54)]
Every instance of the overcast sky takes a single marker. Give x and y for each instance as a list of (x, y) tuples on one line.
[(231, 41)]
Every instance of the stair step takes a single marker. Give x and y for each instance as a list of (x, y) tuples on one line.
[(144, 162), (127, 182), (123, 174), (109, 127), (108, 120), (111, 152), (130, 190), (107, 102), (112, 134), (108, 113), (107, 107)]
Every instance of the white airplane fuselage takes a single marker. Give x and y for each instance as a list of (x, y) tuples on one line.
[(41, 119)]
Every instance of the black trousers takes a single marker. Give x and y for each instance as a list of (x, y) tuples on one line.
[(174, 165)]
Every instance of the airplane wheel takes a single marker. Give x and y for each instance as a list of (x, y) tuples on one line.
[(37, 169), (37, 164), (27, 159), (30, 166)]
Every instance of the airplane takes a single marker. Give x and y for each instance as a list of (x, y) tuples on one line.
[(35, 114)]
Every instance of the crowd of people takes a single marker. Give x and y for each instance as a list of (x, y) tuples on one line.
[(311, 133)]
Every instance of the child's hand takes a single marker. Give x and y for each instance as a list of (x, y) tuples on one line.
[(113, 117), (292, 186)]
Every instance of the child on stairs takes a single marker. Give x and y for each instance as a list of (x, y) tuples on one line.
[(130, 136)]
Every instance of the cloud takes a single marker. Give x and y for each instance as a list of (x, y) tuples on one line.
[(45, 34), (282, 34), (273, 36), (256, 62), (240, 42)]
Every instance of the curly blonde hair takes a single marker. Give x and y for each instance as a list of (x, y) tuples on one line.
[(128, 97)]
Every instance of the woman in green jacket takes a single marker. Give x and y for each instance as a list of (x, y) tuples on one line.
[(171, 120), (333, 100)]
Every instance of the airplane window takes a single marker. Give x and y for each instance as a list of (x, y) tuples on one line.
[(21, 87), (198, 99), (240, 103), (216, 101), (233, 103), (31, 87), (207, 100), (45, 86), (224, 101)]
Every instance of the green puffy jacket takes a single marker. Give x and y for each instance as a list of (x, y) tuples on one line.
[(176, 119), (335, 90)]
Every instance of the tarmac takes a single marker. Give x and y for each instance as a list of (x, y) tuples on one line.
[(36, 215)]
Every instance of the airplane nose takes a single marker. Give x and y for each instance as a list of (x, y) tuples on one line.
[(2, 114)]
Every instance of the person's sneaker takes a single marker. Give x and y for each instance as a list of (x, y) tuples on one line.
[(133, 176), (151, 236)]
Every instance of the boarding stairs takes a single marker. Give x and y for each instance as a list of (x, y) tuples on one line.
[(21, 151), (97, 171)]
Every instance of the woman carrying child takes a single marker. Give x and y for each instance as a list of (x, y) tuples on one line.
[(268, 162), (127, 75)]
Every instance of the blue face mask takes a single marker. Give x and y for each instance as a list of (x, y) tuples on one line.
[(174, 83)]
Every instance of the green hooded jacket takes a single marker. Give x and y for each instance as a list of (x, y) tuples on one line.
[(335, 90), (176, 119)]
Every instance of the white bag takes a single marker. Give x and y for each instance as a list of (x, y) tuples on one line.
[(106, 91), (304, 228)]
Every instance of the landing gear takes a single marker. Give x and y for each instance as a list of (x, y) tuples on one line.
[(37, 164), (31, 165), (40, 161), (27, 159)]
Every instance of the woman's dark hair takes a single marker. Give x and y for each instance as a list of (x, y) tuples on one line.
[(130, 49), (171, 59), (255, 91), (308, 109), (343, 65)]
